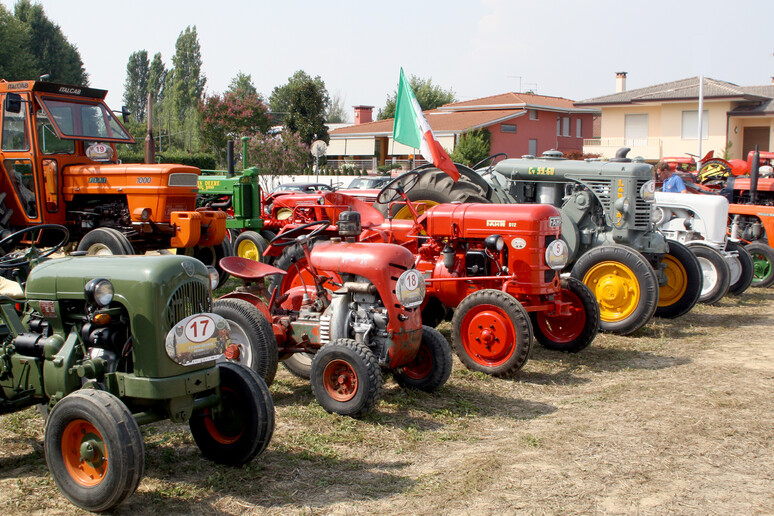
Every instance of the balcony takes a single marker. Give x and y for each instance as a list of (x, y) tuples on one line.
[(648, 148)]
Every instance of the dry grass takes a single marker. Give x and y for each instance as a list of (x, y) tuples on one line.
[(676, 419)]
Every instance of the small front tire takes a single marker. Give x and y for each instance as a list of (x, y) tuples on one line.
[(432, 366), (715, 273), (574, 332)]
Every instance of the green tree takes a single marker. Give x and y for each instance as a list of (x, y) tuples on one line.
[(136, 84), (242, 86), (337, 111), (472, 147), (232, 116), (429, 96), (304, 101), (277, 155), (279, 100), (16, 61), (54, 55), (157, 76)]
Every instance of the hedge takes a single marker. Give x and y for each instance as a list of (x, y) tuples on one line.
[(201, 160)]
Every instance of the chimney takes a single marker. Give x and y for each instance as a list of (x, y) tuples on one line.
[(620, 82), (363, 114)]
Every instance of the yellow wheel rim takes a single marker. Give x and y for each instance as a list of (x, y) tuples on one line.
[(616, 288), (405, 213), (248, 249), (677, 282)]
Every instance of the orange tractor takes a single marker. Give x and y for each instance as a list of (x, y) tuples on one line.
[(57, 166)]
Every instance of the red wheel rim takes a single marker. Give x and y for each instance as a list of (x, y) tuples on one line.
[(229, 427), (563, 329), (340, 380), (421, 366), (84, 453), (293, 278), (488, 335)]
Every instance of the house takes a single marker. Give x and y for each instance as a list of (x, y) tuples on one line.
[(519, 123), (662, 120)]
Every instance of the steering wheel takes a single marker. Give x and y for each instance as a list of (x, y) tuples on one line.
[(288, 237), (490, 158), (23, 257), (400, 185)]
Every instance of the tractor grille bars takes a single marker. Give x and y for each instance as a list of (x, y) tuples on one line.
[(190, 298)]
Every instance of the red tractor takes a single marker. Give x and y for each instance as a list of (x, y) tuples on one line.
[(496, 266), (368, 321)]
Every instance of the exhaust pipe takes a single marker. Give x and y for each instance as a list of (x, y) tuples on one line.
[(230, 157), (756, 164)]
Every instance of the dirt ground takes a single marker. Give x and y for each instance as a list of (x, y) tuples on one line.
[(676, 419)]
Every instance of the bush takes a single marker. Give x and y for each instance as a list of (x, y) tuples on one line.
[(201, 160)]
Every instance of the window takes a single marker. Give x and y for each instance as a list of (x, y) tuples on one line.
[(532, 147), (566, 126), (15, 130), (558, 126), (578, 127), (23, 180), (508, 128), (691, 125), (636, 129), (533, 114)]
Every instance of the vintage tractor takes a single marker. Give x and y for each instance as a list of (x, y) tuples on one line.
[(700, 223), (105, 344), (495, 266), (57, 165), (368, 321), (633, 271)]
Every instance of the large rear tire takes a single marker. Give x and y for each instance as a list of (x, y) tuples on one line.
[(432, 366), (492, 333), (624, 284), (294, 261), (715, 273), (94, 449), (105, 241), (684, 281), (436, 187), (763, 261), (250, 245), (211, 255), (252, 334), (573, 332), (242, 425), (742, 268)]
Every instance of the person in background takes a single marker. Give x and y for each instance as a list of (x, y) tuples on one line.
[(671, 182)]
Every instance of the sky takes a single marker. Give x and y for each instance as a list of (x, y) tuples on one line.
[(476, 48)]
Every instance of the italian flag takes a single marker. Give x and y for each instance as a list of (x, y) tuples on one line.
[(412, 129)]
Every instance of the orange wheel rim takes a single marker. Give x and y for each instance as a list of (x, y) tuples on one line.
[(84, 453), (230, 426), (421, 366), (340, 380)]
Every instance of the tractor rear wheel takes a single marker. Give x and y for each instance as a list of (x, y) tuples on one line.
[(742, 268), (715, 273), (573, 332), (684, 280), (492, 333), (94, 449), (211, 255), (624, 285), (436, 187), (251, 335), (346, 378), (250, 245), (294, 261), (242, 425), (432, 366), (763, 261), (105, 241)]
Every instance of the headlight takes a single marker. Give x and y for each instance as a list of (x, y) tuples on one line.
[(557, 254), (99, 291), (623, 205), (214, 277), (648, 191), (410, 289), (494, 243)]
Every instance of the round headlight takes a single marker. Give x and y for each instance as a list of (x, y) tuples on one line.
[(648, 191), (557, 254), (99, 291), (214, 277), (623, 205), (494, 243)]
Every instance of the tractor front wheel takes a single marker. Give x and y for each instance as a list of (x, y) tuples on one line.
[(242, 425), (346, 378), (105, 241), (211, 256), (715, 273), (742, 268), (624, 285), (252, 338), (763, 263), (250, 245), (574, 332), (684, 281), (94, 449), (432, 366), (491, 333)]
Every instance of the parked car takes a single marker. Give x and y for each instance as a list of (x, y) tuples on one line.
[(368, 182), (302, 187)]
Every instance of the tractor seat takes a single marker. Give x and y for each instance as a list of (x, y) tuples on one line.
[(245, 269)]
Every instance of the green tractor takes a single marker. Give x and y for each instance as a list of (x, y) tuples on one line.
[(606, 207), (105, 344)]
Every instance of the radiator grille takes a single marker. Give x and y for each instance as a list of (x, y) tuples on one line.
[(190, 298), (642, 210)]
